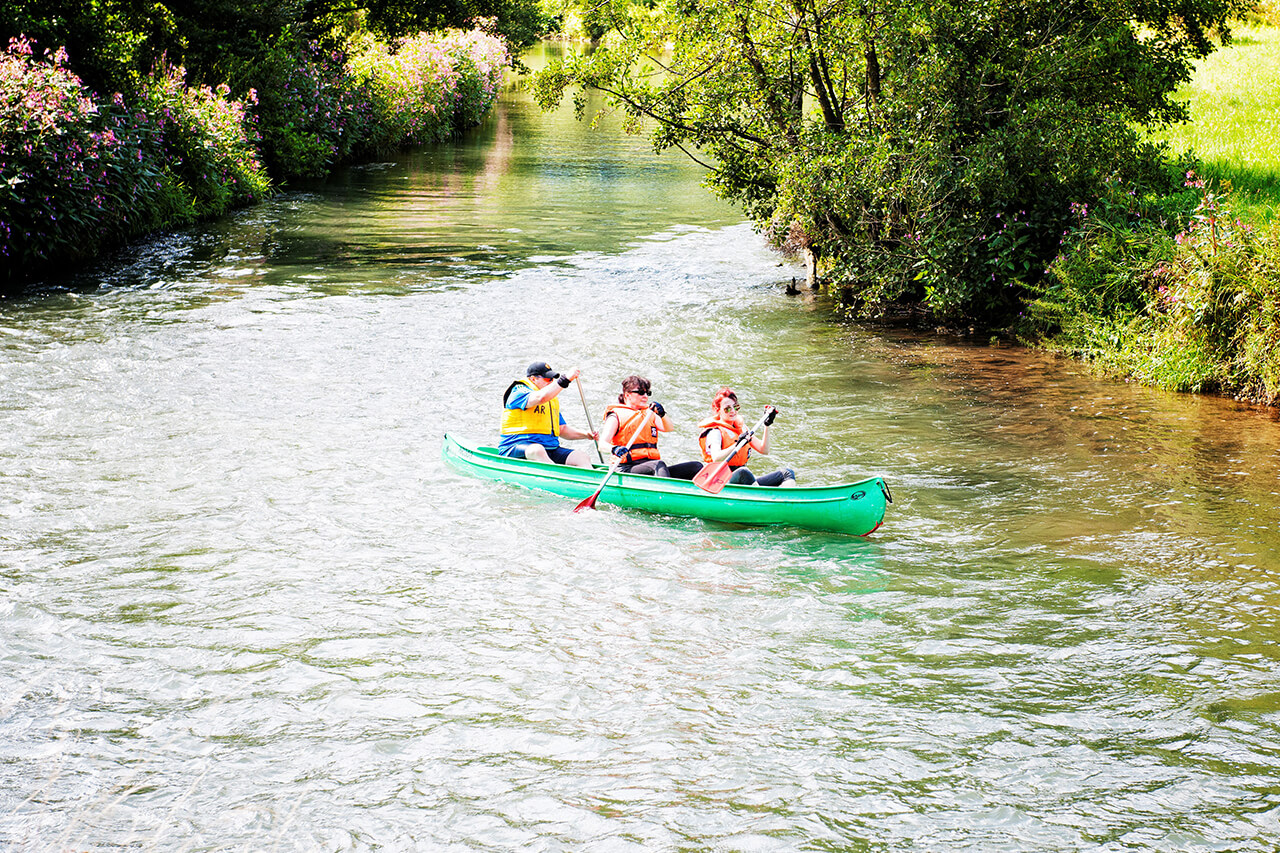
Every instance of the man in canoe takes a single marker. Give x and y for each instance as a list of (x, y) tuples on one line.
[(718, 434), (532, 425), (630, 432)]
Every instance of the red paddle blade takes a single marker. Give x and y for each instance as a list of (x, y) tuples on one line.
[(590, 503), (712, 478)]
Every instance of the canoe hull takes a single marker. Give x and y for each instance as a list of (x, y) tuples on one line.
[(852, 508)]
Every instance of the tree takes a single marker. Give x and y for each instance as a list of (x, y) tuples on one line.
[(519, 22), (930, 151), (110, 42), (113, 43)]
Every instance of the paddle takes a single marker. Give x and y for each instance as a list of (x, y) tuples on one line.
[(712, 478), (587, 412), (590, 503)]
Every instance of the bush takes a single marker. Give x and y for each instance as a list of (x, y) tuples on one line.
[(311, 111), (426, 88), (206, 143), (480, 59), (318, 110), (966, 230), (78, 174), (1198, 310)]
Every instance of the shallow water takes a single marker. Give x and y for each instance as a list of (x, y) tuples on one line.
[(247, 607)]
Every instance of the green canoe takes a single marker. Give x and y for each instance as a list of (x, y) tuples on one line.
[(856, 508)]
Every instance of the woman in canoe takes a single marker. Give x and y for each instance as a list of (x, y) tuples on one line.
[(630, 432), (718, 434)]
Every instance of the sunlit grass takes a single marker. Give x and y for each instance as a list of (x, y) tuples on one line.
[(1234, 99)]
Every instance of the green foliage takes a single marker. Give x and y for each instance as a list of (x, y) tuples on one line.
[(1107, 256), (580, 20), (1198, 310), (309, 109), (114, 45), (111, 44), (930, 151), (1263, 13), (518, 22), (293, 58), (208, 143), (424, 89), (1234, 103), (78, 173)]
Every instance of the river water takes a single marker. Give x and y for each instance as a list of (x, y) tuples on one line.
[(246, 606)]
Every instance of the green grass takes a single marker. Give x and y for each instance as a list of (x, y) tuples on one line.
[(1211, 321), (1234, 99)]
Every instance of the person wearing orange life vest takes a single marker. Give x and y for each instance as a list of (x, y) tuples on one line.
[(718, 434), (532, 425), (636, 422)]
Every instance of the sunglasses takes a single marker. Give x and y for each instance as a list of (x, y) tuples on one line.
[(733, 406)]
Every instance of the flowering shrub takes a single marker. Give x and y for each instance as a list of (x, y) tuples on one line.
[(207, 141), (1219, 295), (427, 87), (311, 110), (78, 174), (318, 110), (481, 59), (1198, 310), (68, 170)]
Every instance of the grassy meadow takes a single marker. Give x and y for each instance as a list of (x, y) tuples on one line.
[(1234, 99)]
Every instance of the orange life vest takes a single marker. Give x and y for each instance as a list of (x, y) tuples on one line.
[(646, 444), (728, 435)]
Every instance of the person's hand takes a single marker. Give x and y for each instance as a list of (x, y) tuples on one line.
[(573, 374), (769, 414), (657, 409)]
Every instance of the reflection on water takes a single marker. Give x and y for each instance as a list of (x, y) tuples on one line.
[(247, 606)]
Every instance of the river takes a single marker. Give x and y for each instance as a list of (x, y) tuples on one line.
[(246, 606)]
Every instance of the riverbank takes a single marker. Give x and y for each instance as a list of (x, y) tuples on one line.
[(1183, 291), (81, 173)]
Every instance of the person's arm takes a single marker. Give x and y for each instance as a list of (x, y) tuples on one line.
[(574, 434), (715, 449), (542, 395), (660, 419), (760, 441), (608, 429)]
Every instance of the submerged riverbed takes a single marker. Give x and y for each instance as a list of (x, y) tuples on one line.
[(246, 606)]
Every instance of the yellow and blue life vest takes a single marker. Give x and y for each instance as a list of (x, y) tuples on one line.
[(542, 419)]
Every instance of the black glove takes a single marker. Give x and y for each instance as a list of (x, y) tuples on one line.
[(564, 381), (657, 409), (769, 414)]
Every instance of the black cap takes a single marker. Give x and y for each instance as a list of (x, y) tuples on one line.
[(541, 368)]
